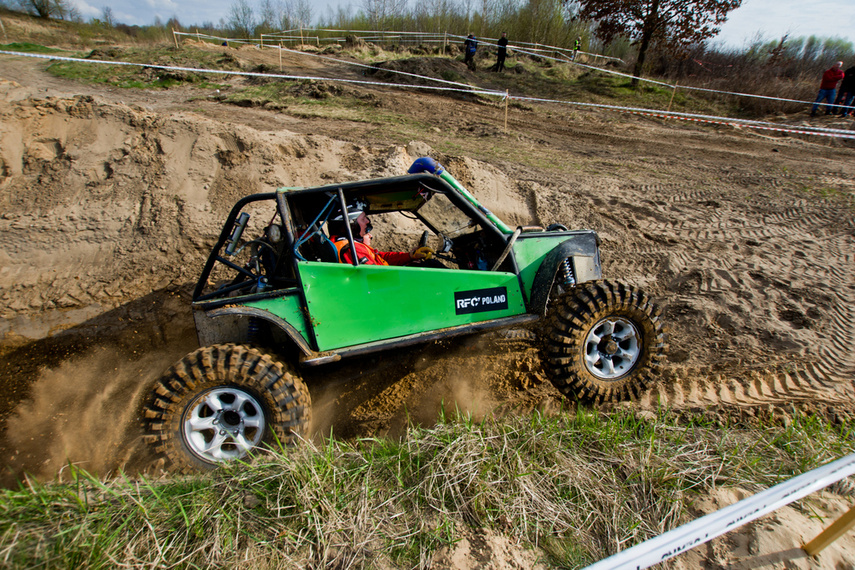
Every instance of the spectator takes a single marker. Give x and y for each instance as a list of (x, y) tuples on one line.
[(846, 93), (827, 87), (576, 47), (469, 47), (502, 53)]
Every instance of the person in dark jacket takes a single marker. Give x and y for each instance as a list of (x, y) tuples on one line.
[(469, 47), (827, 87), (846, 93), (502, 53)]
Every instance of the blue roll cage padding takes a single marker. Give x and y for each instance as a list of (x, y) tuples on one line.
[(307, 235)]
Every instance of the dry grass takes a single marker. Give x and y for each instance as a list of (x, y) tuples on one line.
[(575, 487)]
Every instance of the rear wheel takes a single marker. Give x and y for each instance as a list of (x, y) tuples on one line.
[(219, 402), (604, 342)]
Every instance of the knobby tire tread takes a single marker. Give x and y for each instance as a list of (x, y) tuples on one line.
[(281, 392), (569, 320)]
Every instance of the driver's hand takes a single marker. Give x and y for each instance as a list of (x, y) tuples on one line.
[(424, 252)]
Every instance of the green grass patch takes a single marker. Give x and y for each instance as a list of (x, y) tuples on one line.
[(575, 484), (28, 48), (142, 75)]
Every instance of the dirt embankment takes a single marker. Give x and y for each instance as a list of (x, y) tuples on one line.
[(110, 202)]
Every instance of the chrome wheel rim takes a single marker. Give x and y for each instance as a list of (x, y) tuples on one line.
[(223, 424), (612, 348)]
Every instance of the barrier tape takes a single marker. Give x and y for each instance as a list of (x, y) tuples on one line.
[(471, 90), (759, 125), (502, 96), (713, 525)]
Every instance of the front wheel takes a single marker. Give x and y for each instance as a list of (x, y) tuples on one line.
[(604, 342), (220, 402)]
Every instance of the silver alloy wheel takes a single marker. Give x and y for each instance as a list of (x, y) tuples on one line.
[(612, 348), (223, 423)]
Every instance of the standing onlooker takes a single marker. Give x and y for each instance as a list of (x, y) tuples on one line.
[(576, 47), (846, 92), (469, 47), (502, 53), (827, 87)]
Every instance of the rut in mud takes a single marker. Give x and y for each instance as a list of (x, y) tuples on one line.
[(110, 208)]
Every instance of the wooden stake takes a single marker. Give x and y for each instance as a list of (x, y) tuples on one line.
[(175, 37), (837, 529), (506, 110), (674, 92), (301, 34)]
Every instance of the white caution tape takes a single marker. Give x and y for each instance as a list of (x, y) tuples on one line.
[(473, 90), (713, 525), (837, 133)]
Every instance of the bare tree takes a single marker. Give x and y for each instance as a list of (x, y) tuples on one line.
[(242, 19), (302, 10), (107, 17), (269, 14), (58, 9), (674, 23), (381, 13)]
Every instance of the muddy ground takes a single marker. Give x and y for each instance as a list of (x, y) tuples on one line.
[(110, 200)]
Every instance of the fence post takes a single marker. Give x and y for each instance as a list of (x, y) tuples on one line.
[(174, 37), (280, 56), (674, 92), (837, 529), (301, 34), (506, 110)]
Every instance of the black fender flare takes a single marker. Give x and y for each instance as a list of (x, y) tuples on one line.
[(578, 245), (286, 327)]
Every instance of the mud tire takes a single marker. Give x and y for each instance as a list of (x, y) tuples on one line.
[(270, 387), (581, 314)]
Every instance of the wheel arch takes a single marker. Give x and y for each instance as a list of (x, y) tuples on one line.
[(583, 252), (232, 325)]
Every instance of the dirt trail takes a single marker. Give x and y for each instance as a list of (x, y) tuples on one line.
[(110, 200)]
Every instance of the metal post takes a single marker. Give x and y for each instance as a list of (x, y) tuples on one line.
[(347, 225), (837, 529)]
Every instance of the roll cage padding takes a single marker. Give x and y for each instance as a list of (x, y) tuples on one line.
[(583, 244)]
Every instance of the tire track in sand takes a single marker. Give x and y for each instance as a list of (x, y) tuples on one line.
[(802, 353)]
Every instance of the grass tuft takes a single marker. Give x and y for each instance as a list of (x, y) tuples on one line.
[(575, 486)]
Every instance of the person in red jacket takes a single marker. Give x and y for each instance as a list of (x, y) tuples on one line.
[(361, 228), (827, 87)]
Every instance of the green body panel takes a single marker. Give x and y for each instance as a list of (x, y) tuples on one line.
[(353, 305), (286, 308), (529, 254)]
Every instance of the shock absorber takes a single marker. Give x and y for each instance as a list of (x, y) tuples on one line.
[(567, 273), (253, 331)]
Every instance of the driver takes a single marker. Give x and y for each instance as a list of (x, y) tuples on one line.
[(361, 228)]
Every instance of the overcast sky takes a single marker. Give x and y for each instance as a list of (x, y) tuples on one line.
[(769, 18)]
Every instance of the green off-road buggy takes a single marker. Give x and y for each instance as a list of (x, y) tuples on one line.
[(267, 305)]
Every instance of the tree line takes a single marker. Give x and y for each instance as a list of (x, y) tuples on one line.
[(673, 39)]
